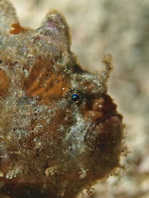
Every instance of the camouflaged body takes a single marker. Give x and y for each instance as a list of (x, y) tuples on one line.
[(50, 145)]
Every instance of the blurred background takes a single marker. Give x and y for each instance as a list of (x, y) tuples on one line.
[(119, 27)]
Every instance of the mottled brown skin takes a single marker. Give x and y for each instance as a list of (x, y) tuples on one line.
[(59, 129)]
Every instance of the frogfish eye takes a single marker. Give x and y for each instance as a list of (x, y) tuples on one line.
[(76, 97)]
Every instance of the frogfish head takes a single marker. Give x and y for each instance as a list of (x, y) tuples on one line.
[(59, 129)]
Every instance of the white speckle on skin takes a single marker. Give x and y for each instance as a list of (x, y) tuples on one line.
[(51, 171), (77, 134), (13, 173), (1, 174), (83, 173)]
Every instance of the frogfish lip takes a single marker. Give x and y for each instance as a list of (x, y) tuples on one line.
[(103, 140), (105, 133)]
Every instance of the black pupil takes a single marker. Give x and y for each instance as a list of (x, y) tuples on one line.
[(75, 97)]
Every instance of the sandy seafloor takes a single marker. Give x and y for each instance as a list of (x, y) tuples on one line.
[(120, 27)]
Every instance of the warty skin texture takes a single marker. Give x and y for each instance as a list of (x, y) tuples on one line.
[(51, 146)]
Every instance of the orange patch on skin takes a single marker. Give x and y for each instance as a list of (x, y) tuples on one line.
[(52, 88), (45, 83), (4, 83), (16, 28)]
